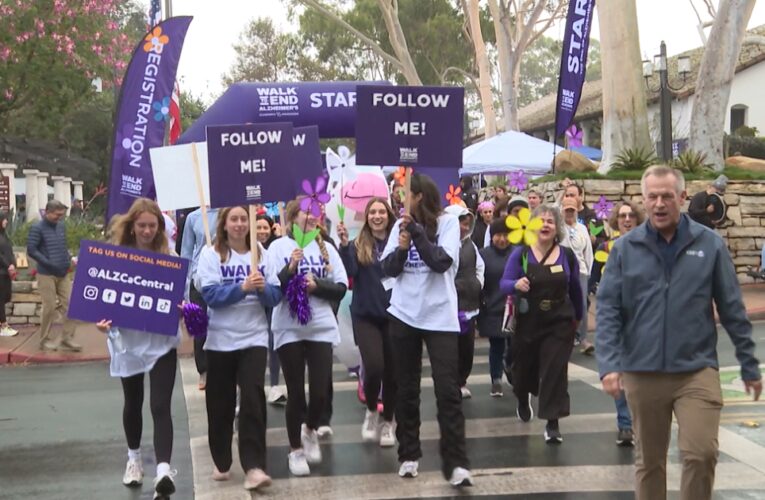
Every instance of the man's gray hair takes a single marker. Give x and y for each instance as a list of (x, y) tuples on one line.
[(55, 206), (663, 171), (543, 209)]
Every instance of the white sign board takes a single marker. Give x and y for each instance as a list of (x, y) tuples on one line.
[(175, 178)]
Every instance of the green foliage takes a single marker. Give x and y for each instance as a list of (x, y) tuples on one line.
[(753, 147), (635, 159), (744, 131), (76, 230), (732, 173), (539, 68), (692, 162)]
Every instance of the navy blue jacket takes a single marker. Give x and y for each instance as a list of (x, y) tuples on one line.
[(370, 299), (46, 244), (657, 318)]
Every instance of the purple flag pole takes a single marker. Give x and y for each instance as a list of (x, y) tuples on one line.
[(142, 111), (573, 63)]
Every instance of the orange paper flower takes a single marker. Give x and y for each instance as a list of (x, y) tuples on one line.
[(400, 175), (453, 196)]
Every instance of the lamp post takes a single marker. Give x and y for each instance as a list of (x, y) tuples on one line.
[(666, 92)]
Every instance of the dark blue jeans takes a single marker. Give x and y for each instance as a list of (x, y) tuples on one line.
[(623, 417)]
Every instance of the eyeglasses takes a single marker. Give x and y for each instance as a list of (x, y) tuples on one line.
[(630, 215)]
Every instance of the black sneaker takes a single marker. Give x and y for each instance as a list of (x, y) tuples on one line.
[(552, 433), (524, 411), (625, 437)]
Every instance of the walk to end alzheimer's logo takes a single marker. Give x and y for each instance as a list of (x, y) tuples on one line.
[(407, 155)]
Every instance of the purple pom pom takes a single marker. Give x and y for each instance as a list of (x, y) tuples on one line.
[(196, 320), (297, 298), (464, 322)]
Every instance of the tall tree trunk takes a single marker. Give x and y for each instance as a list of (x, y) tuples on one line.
[(718, 65), (625, 117), (389, 9), (506, 59), (484, 70)]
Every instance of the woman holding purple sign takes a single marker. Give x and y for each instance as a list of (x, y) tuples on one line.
[(236, 346), (312, 278), (134, 353)]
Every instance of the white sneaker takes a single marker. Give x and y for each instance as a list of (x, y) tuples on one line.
[(324, 431), (276, 396), (387, 436), (311, 449), (298, 463), (164, 486), (466, 394), (461, 477), (409, 469), (370, 426), (133, 473), (7, 331)]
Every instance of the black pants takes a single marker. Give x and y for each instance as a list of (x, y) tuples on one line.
[(442, 350), (294, 357), (200, 357), (161, 382), (373, 339), (226, 370), (466, 348), (540, 367)]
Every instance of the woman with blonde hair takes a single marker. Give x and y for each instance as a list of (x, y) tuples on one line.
[(237, 344), (305, 331), (369, 313), (135, 353)]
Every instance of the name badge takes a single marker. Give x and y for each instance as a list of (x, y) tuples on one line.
[(556, 269)]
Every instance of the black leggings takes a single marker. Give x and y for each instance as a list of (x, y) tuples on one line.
[(247, 368), (161, 383), (466, 349), (373, 339), (294, 357)]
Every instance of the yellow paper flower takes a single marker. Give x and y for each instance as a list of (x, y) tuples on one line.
[(523, 228), (602, 255)]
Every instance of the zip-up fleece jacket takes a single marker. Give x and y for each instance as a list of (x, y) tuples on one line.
[(653, 320)]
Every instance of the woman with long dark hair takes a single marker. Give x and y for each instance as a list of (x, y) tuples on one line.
[(422, 255), (305, 344), (236, 346), (369, 305), (134, 353), (7, 272)]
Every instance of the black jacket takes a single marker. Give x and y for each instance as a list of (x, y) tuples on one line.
[(7, 257), (495, 260), (370, 299), (467, 283)]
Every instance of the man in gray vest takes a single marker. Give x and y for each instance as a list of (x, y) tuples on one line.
[(46, 244)]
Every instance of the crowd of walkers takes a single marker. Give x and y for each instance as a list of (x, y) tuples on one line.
[(431, 277)]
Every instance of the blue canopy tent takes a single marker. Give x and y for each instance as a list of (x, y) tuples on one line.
[(508, 152), (589, 152)]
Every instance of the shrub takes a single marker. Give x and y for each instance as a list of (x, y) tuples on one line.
[(753, 147), (744, 131), (635, 159), (691, 161), (76, 231)]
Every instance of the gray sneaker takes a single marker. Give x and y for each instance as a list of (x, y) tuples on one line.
[(625, 437), (68, 345)]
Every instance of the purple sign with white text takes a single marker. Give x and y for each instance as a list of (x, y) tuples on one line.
[(307, 162), (143, 113), (409, 126), (132, 288), (248, 163), (573, 64)]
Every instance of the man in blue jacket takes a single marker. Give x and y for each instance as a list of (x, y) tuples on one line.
[(46, 244), (657, 339)]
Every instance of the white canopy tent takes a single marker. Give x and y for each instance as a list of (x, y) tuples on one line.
[(508, 152)]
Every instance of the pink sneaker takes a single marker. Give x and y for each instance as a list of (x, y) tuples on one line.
[(360, 392)]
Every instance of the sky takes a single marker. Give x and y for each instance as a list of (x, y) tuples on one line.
[(208, 51)]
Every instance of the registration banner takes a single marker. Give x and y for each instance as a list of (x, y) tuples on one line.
[(410, 126), (132, 288), (250, 163)]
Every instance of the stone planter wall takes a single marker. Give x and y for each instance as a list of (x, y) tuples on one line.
[(26, 305), (744, 231)]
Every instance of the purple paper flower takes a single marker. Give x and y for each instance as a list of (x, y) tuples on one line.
[(518, 180), (603, 208), (316, 196), (574, 136)]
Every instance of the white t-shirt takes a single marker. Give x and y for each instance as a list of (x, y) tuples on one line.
[(141, 349), (171, 229), (240, 325), (323, 324), (421, 297), (578, 240)]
